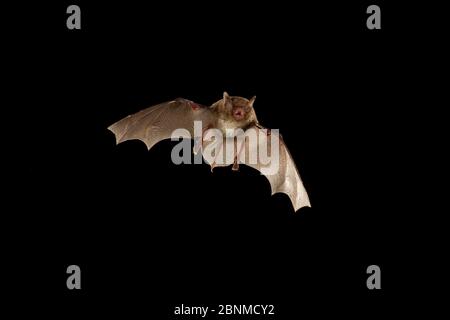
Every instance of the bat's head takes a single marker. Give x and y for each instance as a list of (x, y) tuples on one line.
[(238, 108)]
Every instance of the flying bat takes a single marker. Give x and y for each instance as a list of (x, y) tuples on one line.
[(229, 114)]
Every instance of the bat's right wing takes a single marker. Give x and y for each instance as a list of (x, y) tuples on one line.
[(157, 123)]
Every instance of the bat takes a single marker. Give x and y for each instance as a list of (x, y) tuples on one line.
[(229, 114)]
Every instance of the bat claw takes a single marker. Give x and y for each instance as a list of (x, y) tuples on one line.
[(197, 146), (194, 106), (235, 167)]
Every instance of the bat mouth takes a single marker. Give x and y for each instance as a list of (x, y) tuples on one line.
[(238, 113)]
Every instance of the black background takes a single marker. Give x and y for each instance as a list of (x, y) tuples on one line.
[(150, 235)]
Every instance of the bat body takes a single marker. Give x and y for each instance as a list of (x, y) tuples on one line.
[(229, 115)]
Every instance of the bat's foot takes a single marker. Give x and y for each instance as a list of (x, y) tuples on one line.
[(197, 146), (235, 164), (237, 155), (194, 106), (213, 165), (198, 142)]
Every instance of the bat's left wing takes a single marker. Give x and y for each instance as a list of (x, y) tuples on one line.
[(264, 150), (283, 174)]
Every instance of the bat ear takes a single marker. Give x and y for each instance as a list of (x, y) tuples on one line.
[(251, 101), (226, 100)]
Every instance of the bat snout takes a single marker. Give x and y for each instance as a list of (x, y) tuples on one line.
[(238, 113)]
